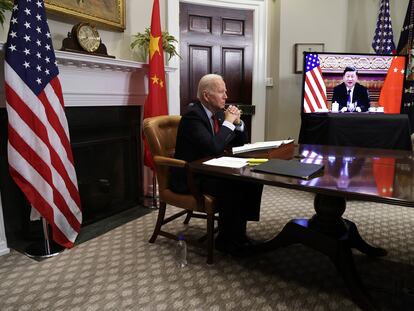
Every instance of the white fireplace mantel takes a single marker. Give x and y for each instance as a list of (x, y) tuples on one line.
[(89, 80)]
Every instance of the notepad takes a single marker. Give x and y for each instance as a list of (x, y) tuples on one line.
[(231, 162), (292, 168)]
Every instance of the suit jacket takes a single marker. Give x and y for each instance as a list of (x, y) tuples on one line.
[(237, 201), (196, 140), (361, 96)]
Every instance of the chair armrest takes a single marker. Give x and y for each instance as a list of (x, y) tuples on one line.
[(191, 182), (166, 161), (194, 188)]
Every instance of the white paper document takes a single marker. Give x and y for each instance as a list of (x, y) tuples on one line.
[(227, 162), (261, 145)]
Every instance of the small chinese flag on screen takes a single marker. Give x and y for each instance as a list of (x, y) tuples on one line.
[(391, 92)]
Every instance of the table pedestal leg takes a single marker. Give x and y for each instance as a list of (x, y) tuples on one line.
[(330, 234)]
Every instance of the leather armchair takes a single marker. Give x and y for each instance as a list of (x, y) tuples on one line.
[(161, 134)]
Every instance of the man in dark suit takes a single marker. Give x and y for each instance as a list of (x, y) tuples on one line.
[(350, 95), (206, 129)]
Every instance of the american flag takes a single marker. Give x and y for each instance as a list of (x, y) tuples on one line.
[(383, 42), (39, 151), (315, 89)]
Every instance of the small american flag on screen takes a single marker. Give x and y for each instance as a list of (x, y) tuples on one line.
[(39, 152), (383, 42), (315, 89)]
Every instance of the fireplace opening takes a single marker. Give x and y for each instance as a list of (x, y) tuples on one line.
[(106, 145), (110, 184)]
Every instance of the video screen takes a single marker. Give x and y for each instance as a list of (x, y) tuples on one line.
[(352, 83)]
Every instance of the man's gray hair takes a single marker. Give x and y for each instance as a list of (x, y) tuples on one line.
[(206, 83)]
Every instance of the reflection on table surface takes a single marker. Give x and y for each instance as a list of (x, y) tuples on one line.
[(385, 173), (379, 175)]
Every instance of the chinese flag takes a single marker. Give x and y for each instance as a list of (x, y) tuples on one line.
[(391, 92), (156, 103)]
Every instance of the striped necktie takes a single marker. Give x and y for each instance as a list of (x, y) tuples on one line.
[(348, 99)]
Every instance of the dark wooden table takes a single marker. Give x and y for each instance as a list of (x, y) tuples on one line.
[(376, 175)]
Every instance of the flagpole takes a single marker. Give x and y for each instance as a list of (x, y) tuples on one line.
[(151, 200), (154, 191), (46, 248)]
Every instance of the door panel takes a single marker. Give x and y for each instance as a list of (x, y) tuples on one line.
[(233, 27), (233, 73), (217, 40), (199, 23), (199, 65)]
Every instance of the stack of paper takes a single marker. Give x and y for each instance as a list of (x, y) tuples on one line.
[(260, 146), (227, 162)]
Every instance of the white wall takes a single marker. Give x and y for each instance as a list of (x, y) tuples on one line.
[(300, 21)]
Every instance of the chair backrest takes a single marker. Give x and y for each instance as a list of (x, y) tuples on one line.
[(161, 135)]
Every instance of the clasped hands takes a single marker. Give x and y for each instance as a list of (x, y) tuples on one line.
[(357, 109), (232, 114)]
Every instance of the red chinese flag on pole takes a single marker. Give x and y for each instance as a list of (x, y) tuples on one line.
[(156, 103), (391, 92)]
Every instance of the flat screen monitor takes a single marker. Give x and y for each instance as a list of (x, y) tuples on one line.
[(379, 86)]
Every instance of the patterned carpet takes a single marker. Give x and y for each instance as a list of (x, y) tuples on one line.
[(120, 270)]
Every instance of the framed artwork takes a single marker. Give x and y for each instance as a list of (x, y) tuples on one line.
[(305, 47), (107, 13)]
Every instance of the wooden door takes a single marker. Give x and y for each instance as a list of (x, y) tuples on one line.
[(217, 40)]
